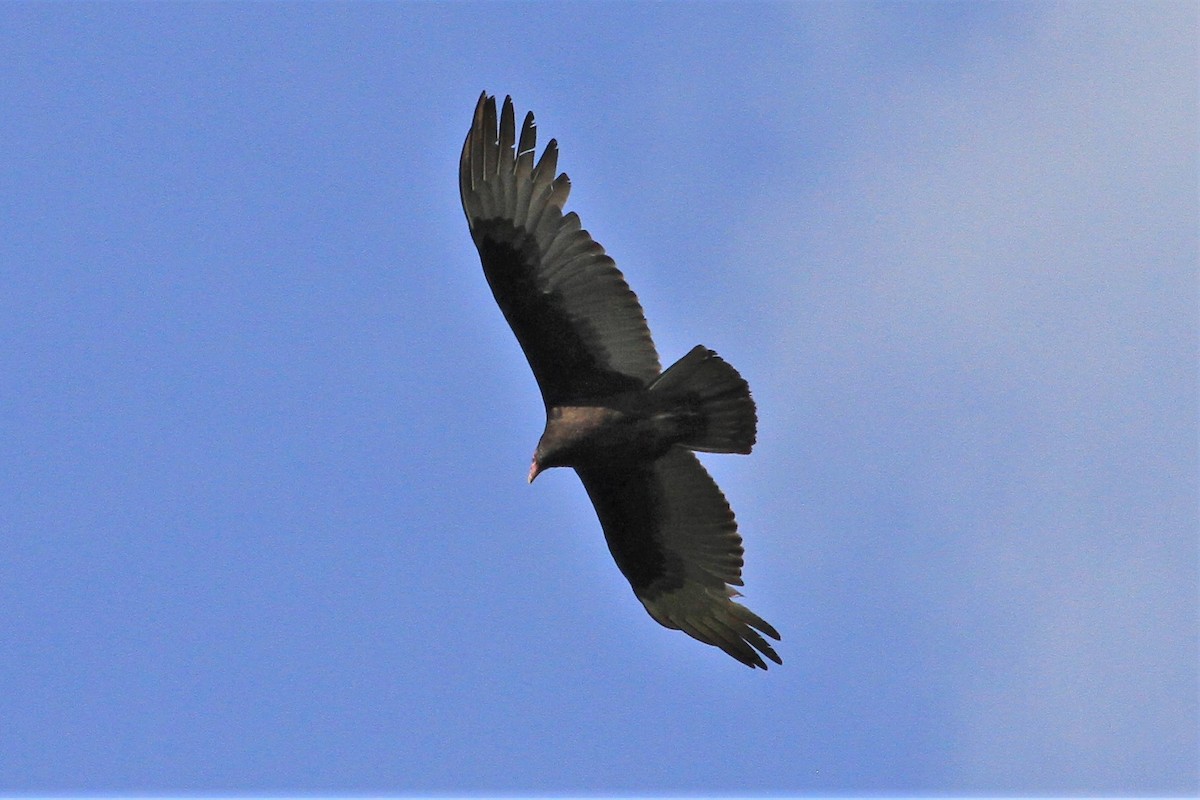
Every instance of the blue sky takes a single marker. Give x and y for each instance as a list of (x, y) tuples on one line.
[(264, 435)]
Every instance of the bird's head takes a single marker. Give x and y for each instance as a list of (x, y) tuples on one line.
[(569, 438), (535, 469), (544, 457), (551, 451)]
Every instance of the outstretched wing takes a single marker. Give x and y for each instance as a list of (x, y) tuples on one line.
[(580, 325), (675, 538)]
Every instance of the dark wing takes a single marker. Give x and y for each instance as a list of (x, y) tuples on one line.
[(580, 325), (675, 538)]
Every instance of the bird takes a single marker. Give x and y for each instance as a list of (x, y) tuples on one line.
[(629, 429)]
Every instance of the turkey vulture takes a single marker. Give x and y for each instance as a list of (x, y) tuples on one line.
[(626, 427)]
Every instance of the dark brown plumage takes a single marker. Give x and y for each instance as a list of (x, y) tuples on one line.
[(626, 427)]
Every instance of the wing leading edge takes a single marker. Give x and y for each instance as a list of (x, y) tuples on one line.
[(675, 539), (579, 324)]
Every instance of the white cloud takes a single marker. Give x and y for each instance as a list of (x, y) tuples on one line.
[(1001, 278)]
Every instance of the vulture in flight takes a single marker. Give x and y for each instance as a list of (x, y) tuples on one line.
[(627, 427)]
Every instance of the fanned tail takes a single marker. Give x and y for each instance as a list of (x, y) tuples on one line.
[(715, 401)]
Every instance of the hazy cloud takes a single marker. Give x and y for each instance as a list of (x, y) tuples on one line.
[(999, 283)]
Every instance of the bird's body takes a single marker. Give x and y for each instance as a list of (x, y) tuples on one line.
[(613, 429), (625, 426), (643, 424)]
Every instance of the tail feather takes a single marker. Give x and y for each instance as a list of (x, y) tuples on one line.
[(716, 402)]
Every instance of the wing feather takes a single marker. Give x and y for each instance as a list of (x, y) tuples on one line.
[(675, 539), (490, 155), (580, 325), (524, 170)]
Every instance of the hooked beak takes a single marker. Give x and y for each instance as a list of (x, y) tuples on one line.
[(535, 469)]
